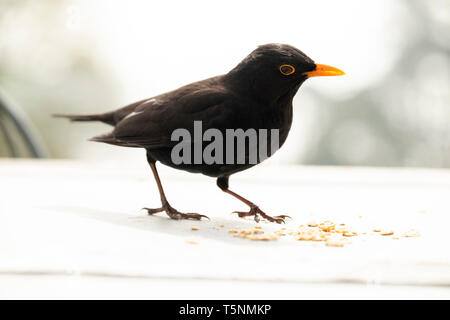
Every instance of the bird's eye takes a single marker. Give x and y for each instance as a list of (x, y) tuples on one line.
[(287, 69)]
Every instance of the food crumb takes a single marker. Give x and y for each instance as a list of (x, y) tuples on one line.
[(192, 241), (327, 226), (263, 237), (330, 233), (347, 234), (411, 233), (318, 238), (194, 228), (305, 237), (334, 243)]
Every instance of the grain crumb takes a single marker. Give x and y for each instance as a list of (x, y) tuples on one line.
[(411, 233), (318, 238), (263, 237), (327, 226), (192, 241), (305, 237), (334, 243), (331, 233), (347, 234)]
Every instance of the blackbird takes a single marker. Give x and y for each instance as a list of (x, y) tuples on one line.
[(257, 94)]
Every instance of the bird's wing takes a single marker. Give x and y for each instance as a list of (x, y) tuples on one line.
[(151, 124)]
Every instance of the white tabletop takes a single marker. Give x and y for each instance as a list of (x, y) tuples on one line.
[(73, 229)]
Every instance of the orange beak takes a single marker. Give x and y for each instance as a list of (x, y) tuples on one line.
[(324, 70)]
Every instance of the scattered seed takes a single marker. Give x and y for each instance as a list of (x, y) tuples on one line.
[(192, 241), (194, 228), (411, 233), (346, 234), (326, 226), (334, 235), (318, 238), (334, 243), (305, 237)]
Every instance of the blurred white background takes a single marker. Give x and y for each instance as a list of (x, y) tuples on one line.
[(391, 109)]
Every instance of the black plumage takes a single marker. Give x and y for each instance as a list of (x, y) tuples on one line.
[(256, 94)]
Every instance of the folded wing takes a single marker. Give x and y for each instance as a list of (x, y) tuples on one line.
[(151, 123)]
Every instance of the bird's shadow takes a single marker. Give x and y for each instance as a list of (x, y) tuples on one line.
[(216, 229)]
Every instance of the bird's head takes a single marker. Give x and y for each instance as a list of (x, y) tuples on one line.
[(276, 70)]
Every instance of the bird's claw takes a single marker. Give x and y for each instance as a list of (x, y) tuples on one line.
[(283, 216), (175, 214), (153, 211), (192, 216), (257, 213)]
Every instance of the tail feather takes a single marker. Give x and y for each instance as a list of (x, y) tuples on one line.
[(103, 117), (110, 139), (106, 137)]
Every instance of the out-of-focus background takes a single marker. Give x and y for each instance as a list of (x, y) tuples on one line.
[(391, 109)]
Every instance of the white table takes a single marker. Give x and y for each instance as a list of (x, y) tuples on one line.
[(73, 229)]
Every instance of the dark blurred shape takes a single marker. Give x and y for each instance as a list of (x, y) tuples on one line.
[(17, 138)]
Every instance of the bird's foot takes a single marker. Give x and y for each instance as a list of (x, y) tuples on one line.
[(256, 212), (175, 214)]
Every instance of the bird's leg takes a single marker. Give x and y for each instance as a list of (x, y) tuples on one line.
[(254, 211), (165, 206)]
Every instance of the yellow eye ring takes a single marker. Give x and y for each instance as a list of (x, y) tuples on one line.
[(287, 69)]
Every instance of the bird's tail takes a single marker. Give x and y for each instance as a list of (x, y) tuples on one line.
[(103, 117)]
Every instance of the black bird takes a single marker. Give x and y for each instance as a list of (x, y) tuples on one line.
[(257, 94)]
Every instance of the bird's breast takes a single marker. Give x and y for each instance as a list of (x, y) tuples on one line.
[(278, 117)]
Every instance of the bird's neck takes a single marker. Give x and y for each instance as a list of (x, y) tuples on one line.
[(260, 89)]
